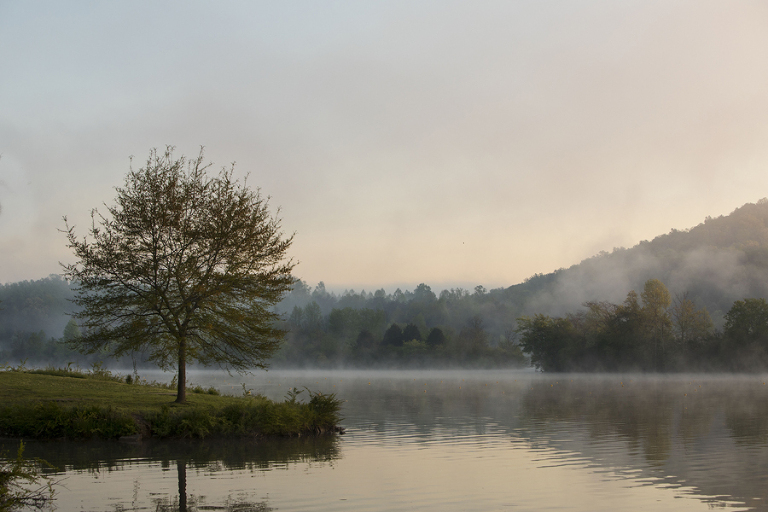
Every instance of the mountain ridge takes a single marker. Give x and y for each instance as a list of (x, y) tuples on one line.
[(718, 261)]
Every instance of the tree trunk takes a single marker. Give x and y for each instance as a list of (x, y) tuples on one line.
[(181, 394)]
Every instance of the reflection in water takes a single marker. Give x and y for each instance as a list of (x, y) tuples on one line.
[(182, 470), (457, 441), (208, 454), (708, 432), (145, 468), (179, 504)]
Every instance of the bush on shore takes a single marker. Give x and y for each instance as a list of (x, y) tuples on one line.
[(250, 417)]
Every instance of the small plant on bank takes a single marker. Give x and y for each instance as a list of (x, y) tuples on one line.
[(200, 390), (292, 395), (21, 484), (326, 406), (10, 368), (97, 372)]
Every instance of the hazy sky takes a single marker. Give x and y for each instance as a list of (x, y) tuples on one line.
[(452, 143)]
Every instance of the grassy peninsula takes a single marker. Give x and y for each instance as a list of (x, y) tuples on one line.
[(71, 404)]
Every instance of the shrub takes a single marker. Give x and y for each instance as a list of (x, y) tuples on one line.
[(326, 409), (50, 420), (210, 391), (254, 416), (21, 485)]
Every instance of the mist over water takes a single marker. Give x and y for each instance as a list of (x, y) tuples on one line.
[(458, 440)]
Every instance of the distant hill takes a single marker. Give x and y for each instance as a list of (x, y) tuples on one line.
[(717, 262)]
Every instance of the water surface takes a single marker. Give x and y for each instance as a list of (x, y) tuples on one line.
[(454, 440)]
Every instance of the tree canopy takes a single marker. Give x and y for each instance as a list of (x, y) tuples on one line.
[(747, 321), (184, 266), (656, 336)]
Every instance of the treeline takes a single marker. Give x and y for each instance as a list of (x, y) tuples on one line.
[(34, 324), (33, 319), (416, 328), (648, 332)]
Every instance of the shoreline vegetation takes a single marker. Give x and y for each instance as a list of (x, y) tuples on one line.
[(67, 403), (648, 332)]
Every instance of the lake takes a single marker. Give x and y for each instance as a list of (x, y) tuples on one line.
[(452, 440)]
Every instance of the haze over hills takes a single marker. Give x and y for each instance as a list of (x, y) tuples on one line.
[(717, 262)]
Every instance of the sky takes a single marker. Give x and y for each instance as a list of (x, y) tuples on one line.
[(450, 143)]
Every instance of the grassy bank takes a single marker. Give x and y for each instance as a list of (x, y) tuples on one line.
[(71, 404)]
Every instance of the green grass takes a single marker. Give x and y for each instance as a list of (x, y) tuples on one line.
[(52, 404)]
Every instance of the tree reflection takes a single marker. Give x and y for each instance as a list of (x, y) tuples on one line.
[(181, 503), (708, 431), (643, 413), (213, 454), (181, 467), (650, 411), (209, 455)]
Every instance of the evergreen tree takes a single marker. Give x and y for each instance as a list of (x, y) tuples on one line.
[(393, 336), (411, 332)]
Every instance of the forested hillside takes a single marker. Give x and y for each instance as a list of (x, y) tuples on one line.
[(717, 262)]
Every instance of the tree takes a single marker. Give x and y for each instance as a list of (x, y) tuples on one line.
[(746, 334), (365, 339), (296, 320), (747, 322), (184, 266), (423, 293), (313, 318), (690, 323), (627, 333), (473, 338), (436, 337), (393, 336), (71, 331), (411, 332), (548, 340), (656, 301)]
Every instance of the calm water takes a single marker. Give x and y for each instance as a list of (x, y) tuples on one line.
[(455, 441)]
